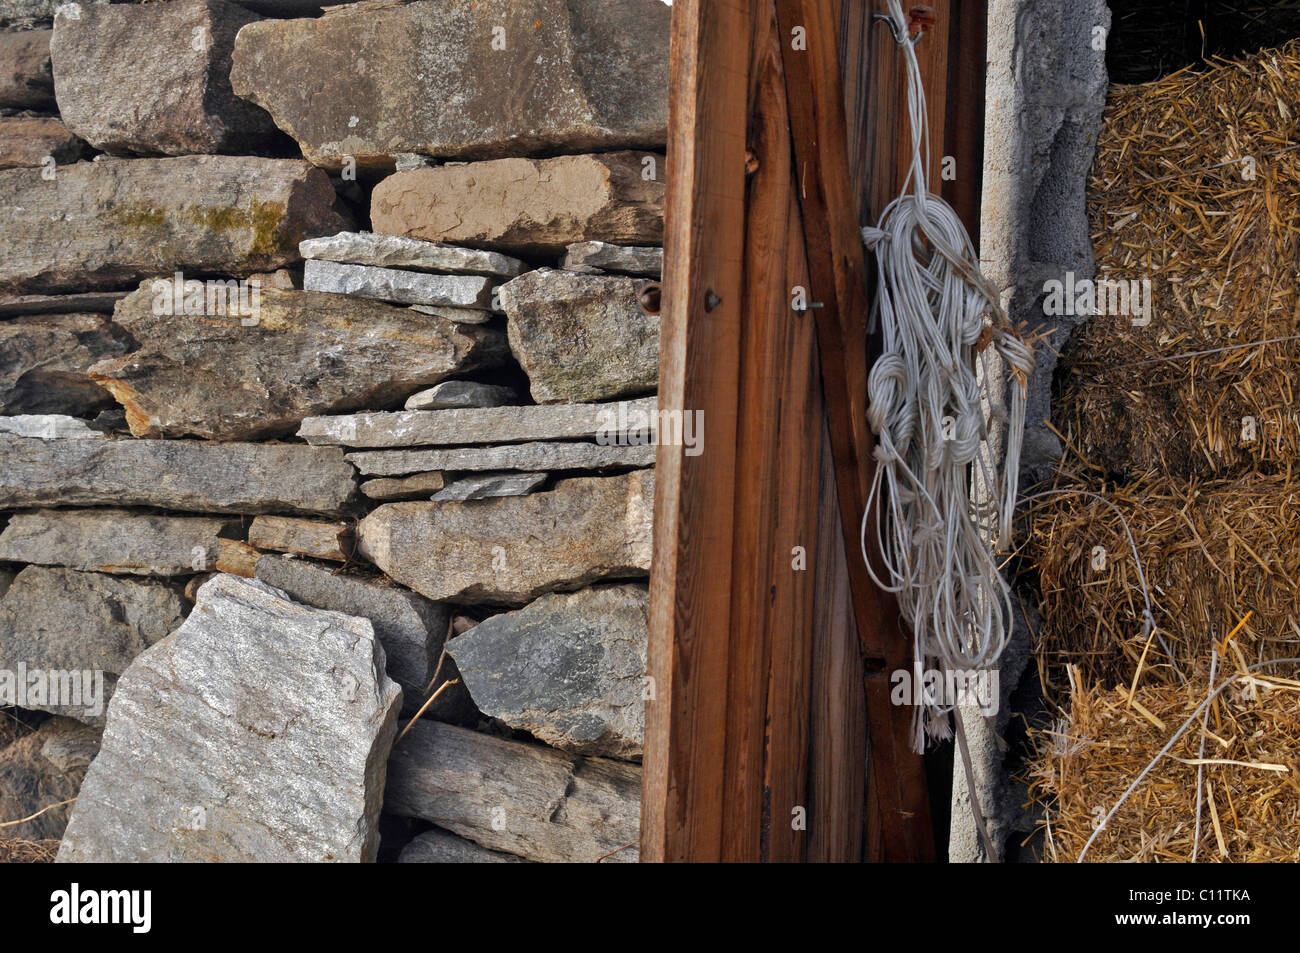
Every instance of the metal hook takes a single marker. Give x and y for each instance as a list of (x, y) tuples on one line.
[(899, 38)]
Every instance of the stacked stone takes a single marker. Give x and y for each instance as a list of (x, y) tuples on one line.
[(408, 472)]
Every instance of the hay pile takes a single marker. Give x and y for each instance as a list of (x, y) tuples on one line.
[(28, 851), (1158, 435), (1251, 795), (1171, 200), (1212, 552)]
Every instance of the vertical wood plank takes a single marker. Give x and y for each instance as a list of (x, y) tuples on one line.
[(838, 760), (682, 788), (838, 279)]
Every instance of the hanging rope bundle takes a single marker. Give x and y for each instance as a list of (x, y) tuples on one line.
[(933, 414)]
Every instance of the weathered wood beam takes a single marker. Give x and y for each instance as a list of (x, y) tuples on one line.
[(837, 266), (690, 624)]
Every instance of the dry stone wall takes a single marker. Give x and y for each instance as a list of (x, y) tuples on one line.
[(325, 471)]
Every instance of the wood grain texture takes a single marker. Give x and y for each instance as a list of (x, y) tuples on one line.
[(682, 800), (837, 269), (837, 773)]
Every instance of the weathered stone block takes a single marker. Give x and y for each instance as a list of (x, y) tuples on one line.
[(462, 78), (174, 475), (154, 79), (513, 549), (225, 745), (530, 206), (228, 377), (568, 668), (111, 223), (581, 338)]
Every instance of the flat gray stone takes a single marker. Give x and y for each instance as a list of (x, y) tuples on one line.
[(44, 362), (527, 206), (392, 251), (187, 475), (218, 377), (568, 668), (400, 287), (487, 485), (226, 745), (512, 549), (415, 487), (451, 394), (115, 541), (26, 81), (411, 628), (517, 456), (528, 800), (423, 428), (581, 337), (106, 224), (43, 768), (644, 261), (94, 624), (458, 315), (115, 91), (374, 81), (47, 427), (440, 847)]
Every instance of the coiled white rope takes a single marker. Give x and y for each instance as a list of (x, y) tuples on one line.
[(933, 416)]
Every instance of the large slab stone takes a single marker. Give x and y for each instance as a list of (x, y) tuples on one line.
[(116, 541), (568, 668), (640, 260), (512, 549), (108, 224), (44, 363), (26, 81), (28, 142), (402, 287), (528, 800), (258, 732), (416, 428), (392, 251), (462, 78), (154, 79), (581, 337), (411, 628), (174, 475), (210, 375), (89, 623), (529, 206), (515, 456), (42, 769)]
